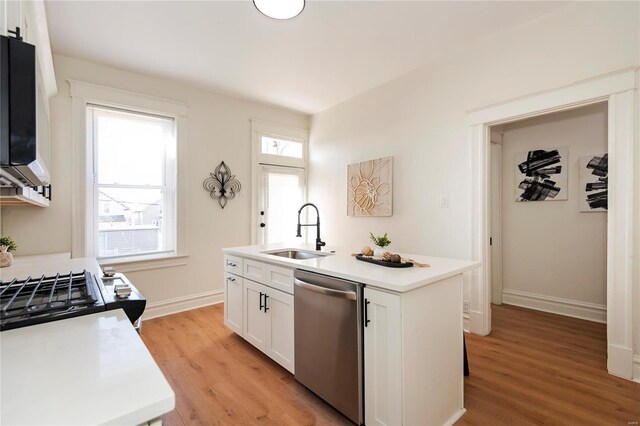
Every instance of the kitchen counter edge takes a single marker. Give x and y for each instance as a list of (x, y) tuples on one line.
[(341, 264)]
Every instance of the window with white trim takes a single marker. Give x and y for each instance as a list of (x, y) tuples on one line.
[(133, 190)]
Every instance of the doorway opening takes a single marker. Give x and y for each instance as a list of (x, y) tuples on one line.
[(548, 209), (618, 90), (279, 155)]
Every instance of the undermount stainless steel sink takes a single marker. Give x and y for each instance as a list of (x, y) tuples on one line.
[(296, 254)]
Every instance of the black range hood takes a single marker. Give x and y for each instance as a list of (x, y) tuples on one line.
[(18, 149)]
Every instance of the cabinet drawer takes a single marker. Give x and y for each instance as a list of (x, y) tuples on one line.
[(233, 313), (280, 278), (256, 271), (233, 264)]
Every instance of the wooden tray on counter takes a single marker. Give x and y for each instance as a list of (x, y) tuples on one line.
[(383, 262)]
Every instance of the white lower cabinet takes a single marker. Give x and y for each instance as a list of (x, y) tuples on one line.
[(413, 355), (382, 358), (280, 345), (233, 301), (268, 322), (255, 317)]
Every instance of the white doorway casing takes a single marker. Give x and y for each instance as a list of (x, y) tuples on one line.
[(495, 230), (618, 89)]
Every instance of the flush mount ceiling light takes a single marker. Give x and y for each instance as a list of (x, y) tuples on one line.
[(279, 9)]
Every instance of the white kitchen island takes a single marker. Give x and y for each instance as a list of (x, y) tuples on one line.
[(93, 369), (413, 352)]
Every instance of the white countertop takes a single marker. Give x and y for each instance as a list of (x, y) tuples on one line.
[(342, 265), (92, 369)]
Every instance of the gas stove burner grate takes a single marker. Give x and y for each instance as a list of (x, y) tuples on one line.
[(38, 296)]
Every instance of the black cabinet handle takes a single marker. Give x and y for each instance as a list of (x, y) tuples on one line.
[(261, 305), (266, 308), (366, 312), (262, 225)]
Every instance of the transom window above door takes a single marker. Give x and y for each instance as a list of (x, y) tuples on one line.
[(281, 147)]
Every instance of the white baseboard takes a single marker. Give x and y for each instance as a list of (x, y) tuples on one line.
[(636, 368), (476, 323), (185, 303), (556, 305), (453, 419), (620, 361), (466, 323)]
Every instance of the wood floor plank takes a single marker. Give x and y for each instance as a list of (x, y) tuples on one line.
[(534, 369), (548, 367)]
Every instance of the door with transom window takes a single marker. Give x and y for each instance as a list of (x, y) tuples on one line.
[(280, 187)]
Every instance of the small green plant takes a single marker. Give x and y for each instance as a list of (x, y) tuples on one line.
[(8, 241), (382, 241)]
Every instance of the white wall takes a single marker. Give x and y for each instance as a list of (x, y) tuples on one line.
[(218, 129), (420, 119), (550, 248)]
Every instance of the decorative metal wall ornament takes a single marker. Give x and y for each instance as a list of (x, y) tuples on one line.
[(222, 185)]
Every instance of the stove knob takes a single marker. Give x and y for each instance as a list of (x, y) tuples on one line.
[(122, 291)]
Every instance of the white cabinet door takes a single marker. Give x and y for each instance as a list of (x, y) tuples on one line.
[(382, 358), (233, 301), (280, 345), (256, 320)]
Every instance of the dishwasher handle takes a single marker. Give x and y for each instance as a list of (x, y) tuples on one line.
[(350, 295)]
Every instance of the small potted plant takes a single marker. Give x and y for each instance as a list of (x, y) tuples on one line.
[(7, 245), (380, 242)]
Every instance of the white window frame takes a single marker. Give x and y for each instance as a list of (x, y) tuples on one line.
[(83, 203), (258, 159), (168, 189)]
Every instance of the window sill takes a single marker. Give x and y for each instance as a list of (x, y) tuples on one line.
[(134, 264)]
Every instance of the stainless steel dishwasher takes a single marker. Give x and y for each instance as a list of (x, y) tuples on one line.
[(329, 340)]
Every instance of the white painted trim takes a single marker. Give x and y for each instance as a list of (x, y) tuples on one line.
[(480, 297), (620, 233), (83, 93), (135, 265), (579, 93), (119, 97), (262, 128), (279, 130), (618, 89), (636, 368), (495, 233), (181, 304), (466, 323), (453, 419), (618, 361), (81, 178), (556, 305)]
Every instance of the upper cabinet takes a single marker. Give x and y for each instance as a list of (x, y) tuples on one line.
[(30, 17)]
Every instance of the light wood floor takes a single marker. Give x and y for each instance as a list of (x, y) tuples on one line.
[(535, 368)]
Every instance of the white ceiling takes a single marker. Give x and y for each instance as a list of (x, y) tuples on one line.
[(331, 52)]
